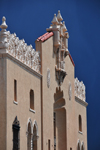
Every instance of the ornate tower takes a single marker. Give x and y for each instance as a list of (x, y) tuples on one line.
[(60, 42)]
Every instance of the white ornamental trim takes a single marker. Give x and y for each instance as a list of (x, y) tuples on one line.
[(79, 89), (24, 53), (48, 77)]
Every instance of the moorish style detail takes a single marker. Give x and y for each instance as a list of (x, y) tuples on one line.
[(52, 115), (16, 129), (79, 89), (60, 45), (18, 48)]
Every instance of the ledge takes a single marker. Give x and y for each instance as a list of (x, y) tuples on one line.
[(80, 132), (32, 110), (2, 55), (15, 102), (81, 101)]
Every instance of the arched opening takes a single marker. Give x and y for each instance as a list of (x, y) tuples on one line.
[(60, 141), (82, 148), (35, 138), (32, 99), (29, 137), (78, 146), (16, 136), (80, 123)]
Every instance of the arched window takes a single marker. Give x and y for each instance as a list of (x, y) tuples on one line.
[(16, 138), (78, 146), (34, 138), (35, 135), (82, 147), (31, 99), (80, 123), (29, 137)]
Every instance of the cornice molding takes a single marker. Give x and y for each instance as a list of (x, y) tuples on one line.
[(7, 55), (81, 101)]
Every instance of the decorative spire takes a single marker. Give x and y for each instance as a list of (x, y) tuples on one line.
[(3, 34), (3, 25), (55, 21), (16, 122), (67, 35), (64, 27), (59, 17)]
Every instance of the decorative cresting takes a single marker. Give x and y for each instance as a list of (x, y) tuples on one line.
[(59, 100), (60, 45), (79, 89), (18, 48)]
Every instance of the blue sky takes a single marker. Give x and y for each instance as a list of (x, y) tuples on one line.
[(29, 19)]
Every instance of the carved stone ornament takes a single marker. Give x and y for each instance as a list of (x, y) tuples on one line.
[(79, 89), (70, 91), (60, 43), (48, 77), (60, 75), (18, 48)]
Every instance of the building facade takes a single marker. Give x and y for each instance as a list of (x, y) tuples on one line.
[(42, 104)]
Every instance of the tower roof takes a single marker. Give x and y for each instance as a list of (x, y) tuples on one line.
[(54, 21), (59, 17), (3, 25)]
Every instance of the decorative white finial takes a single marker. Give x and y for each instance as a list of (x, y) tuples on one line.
[(59, 17), (3, 34), (55, 21), (3, 25), (64, 27)]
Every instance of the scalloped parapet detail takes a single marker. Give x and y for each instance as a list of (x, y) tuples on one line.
[(24, 53), (79, 89)]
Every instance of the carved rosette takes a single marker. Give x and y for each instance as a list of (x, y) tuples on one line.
[(79, 89), (48, 77), (70, 91)]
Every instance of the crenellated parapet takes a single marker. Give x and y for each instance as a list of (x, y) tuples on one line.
[(10, 43), (60, 42), (79, 89)]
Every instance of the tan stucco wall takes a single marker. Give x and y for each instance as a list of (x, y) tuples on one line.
[(48, 61), (43, 98), (72, 135), (25, 81)]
